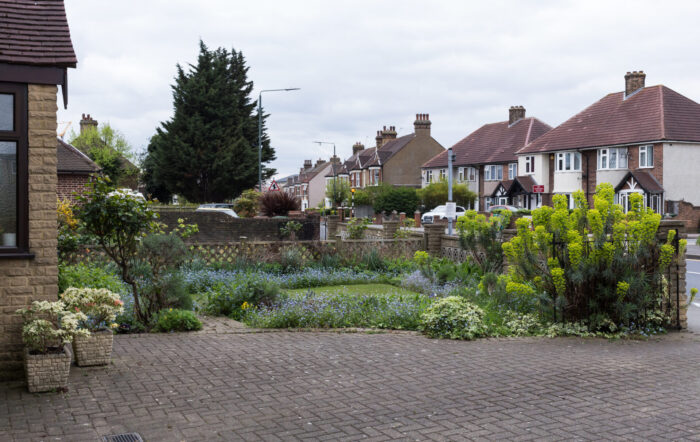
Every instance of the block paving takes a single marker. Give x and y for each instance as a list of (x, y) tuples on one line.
[(231, 385)]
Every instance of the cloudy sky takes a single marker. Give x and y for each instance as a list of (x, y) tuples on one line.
[(365, 64)]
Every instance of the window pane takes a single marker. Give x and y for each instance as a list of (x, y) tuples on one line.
[(650, 156), (568, 161), (577, 161), (7, 115), (8, 193), (623, 158)]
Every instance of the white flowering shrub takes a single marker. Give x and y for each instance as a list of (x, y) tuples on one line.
[(49, 325), (100, 306), (453, 317)]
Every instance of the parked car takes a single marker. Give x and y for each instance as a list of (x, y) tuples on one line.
[(218, 207), (504, 207), (440, 212)]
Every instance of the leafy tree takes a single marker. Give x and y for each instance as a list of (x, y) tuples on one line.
[(435, 194), (208, 150), (401, 199), (108, 148), (338, 192)]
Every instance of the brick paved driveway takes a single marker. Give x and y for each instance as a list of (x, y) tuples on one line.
[(328, 386)]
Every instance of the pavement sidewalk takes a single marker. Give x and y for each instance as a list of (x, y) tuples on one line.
[(693, 251)]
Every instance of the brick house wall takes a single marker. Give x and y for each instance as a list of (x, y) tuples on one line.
[(69, 185), (25, 280)]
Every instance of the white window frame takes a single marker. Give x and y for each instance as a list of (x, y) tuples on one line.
[(374, 176), (443, 174), (529, 164), (566, 162), (490, 170), (512, 171), (613, 155), (460, 174), (428, 176), (648, 151), (471, 174)]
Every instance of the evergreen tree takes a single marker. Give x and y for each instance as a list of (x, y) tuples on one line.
[(208, 150)]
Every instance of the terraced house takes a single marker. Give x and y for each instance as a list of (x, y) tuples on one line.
[(35, 54), (392, 160), (486, 161), (642, 140)]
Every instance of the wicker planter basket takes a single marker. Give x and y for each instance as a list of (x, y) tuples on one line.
[(95, 349), (47, 372)]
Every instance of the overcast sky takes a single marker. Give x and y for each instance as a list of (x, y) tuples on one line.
[(365, 64)]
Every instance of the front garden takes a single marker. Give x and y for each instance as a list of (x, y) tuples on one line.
[(583, 272)]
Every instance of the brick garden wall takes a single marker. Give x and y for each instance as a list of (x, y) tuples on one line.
[(69, 185), (219, 227), (25, 280)]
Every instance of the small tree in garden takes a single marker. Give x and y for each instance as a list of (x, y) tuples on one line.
[(435, 194), (248, 203), (401, 199), (121, 222), (481, 238), (599, 265), (338, 192)]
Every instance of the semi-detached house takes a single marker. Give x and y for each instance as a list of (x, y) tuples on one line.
[(486, 161), (642, 140)]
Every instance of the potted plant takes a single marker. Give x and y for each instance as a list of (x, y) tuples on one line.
[(48, 329), (100, 308)]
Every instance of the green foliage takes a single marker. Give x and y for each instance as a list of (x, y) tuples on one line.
[(293, 257), (332, 307), (278, 203), (232, 297), (338, 192), (400, 199), (208, 150), (109, 149), (84, 275), (100, 306), (453, 318), (599, 265), (290, 229), (435, 194), (176, 320), (248, 203), (481, 238), (357, 227)]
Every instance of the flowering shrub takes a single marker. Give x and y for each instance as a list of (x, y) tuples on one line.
[(454, 318), (324, 310), (226, 298), (599, 265), (357, 227), (48, 325), (100, 306), (481, 238), (176, 320)]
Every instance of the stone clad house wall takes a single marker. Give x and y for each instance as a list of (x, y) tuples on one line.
[(25, 280)]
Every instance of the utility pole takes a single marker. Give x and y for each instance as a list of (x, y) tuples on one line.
[(450, 159)]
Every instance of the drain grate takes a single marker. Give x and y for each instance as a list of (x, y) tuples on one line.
[(126, 437)]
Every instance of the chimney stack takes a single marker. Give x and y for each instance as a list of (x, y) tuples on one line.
[(422, 125), (335, 159), (308, 164), (515, 113), (319, 162), (357, 147), (87, 123), (388, 134), (634, 81), (378, 139)]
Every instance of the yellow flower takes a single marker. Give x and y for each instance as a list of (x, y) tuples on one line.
[(170, 309), (114, 325), (245, 305)]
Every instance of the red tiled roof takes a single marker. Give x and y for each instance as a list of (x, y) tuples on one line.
[(655, 113), (492, 143), (646, 180), (35, 32), (526, 182), (72, 160)]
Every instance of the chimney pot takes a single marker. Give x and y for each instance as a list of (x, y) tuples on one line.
[(634, 81), (422, 125), (515, 113)]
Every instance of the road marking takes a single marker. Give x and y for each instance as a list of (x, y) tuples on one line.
[(695, 304), (693, 273)]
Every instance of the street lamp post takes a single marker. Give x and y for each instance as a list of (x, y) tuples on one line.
[(332, 165), (260, 128)]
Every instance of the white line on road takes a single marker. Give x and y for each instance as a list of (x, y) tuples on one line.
[(695, 304), (693, 273)]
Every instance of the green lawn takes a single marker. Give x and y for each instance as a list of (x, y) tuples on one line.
[(357, 289)]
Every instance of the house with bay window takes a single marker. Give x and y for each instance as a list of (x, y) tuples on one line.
[(642, 140), (486, 161), (35, 56)]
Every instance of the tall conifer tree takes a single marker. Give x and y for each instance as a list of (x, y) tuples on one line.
[(208, 150)]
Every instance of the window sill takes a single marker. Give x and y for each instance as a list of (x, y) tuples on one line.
[(613, 170), (567, 171), (16, 255), (646, 167)]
